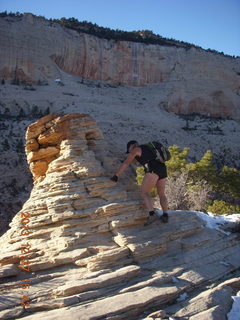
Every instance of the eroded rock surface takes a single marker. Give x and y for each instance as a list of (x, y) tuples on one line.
[(79, 249)]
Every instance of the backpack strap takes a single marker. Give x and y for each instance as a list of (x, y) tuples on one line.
[(158, 155)]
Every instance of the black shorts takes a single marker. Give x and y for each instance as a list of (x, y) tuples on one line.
[(156, 167)]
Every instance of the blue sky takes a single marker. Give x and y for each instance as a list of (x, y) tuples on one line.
[(213, 24)]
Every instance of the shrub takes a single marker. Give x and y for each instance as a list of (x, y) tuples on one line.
[(178, 162), (5, 145), (203, 170), (198, 195), (21, 114), (29, 87), (20, 146), (176, 191), (15, 81), (229, 181), (222, 207)]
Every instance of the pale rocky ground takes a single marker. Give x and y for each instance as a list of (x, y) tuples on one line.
[(122, 113), (90, 255)]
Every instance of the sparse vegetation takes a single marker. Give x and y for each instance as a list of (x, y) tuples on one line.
[(176, 191), (10, 14), (68, 94), (15, 82), (21, 114), (36, 112), (223, 207), (33, 112), (42, 82), (5, 145), (19, 146), (29, 87), (47, 111)]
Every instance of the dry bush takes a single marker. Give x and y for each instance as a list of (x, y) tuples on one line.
[(183, 196), (176, 192), (198, 196)]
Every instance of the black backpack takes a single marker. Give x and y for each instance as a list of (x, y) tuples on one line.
[(160, 152)]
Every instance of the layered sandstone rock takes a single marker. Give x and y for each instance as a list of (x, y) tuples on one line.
[(193, 81), (79, 249)]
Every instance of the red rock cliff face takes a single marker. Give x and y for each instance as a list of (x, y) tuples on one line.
[(193, 80), (34, 48)]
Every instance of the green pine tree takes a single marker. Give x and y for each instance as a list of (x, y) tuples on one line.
[(178, 162), (203, 169)]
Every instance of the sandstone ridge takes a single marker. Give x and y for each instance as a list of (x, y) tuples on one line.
[(80, 249)]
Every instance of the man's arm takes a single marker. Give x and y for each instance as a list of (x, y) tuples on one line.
[(130, 159)]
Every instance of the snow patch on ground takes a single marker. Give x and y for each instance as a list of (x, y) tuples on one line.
[(182, 297), (234, 314), (214, 221)]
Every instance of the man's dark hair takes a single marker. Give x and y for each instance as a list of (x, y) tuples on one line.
[(130, 143)]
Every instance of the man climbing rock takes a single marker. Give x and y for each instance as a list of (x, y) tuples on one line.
[(155, 175)]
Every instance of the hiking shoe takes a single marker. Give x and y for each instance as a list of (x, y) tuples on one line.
[(164, 218), (151, 219)]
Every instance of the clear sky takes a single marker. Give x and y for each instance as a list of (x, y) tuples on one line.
[(213, 24)]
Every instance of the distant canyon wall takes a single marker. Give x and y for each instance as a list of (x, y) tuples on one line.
[(192, 81)]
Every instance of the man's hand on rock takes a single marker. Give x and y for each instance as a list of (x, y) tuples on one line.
[(114, 178)]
